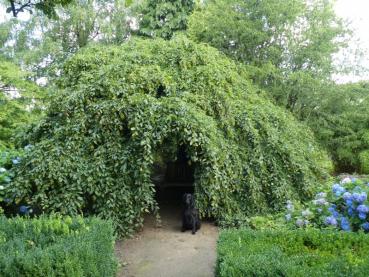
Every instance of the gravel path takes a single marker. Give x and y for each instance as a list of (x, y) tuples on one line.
[(166, 251)]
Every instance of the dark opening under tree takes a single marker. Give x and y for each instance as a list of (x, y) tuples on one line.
[(120, 109)]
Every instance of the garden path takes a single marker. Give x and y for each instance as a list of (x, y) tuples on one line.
[(167, 252)]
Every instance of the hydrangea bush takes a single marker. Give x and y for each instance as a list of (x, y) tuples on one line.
[(9, 159), (343, 206)]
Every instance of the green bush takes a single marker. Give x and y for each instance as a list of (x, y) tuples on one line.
[(122, 109), (56, 246), (364, 161), (309, 252)]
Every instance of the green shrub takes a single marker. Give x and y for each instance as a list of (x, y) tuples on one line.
[(121, 109), (292, 253), (364, 161), (56, 246)]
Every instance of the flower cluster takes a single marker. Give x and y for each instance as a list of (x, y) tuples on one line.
[(344, 206)]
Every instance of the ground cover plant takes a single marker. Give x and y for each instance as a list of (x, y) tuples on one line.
[(299, 252), (121, 109), (56, 246)]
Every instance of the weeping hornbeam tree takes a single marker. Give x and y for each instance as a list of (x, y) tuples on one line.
[(120, 109)]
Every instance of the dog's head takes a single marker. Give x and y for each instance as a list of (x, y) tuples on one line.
[(188, 199)]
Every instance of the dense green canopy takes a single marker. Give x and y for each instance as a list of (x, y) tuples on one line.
[(120, 109)]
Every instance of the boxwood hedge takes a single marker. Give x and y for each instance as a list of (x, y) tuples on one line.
[(292, 253), (56, 246)]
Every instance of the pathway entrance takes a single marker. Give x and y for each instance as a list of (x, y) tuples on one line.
[(167, 252)]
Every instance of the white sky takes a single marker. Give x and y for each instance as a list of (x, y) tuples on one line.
[(355, 11)]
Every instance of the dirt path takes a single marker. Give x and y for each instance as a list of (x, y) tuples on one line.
[(166, 251)]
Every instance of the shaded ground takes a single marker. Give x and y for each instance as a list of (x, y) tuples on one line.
[(166, 251)]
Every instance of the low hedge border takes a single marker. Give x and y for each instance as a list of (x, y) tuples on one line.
[(308, 252), (56, 246)]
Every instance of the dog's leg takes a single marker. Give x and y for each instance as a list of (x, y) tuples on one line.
[(194, 227), (198, 224), (183, 224)]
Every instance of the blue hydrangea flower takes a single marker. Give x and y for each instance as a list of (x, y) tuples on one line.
[(359, 197), (347, 196), (330, 220), (363, 197), (350, 211), (299, 222), (349, 202), (362, 216), (345, 224), (306, 213), (16, 160), (23, 209), (319, 210), (365, 226), (362, 209), (289, 206), (28, 147), (288, 217), (333, 211), (338, 190), (321, 195), (346, 180), (320, 202)]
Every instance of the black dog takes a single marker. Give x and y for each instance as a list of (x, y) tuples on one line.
[(190, 215)]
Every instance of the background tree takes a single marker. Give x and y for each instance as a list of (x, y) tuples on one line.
[(20, 101), (41, 44), (46, 6), (164, 17), (281, 42)]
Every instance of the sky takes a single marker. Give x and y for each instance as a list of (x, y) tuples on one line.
[(355, 11)]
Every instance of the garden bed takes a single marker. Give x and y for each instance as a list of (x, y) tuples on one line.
[(300, 252), (56, 246)]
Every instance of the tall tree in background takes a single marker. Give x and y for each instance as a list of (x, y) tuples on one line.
[(46, 6), (161, 18), (41, 44), (286, 45), (20, 101)]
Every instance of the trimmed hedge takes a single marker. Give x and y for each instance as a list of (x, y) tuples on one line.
[(292, 253), (56, 246)]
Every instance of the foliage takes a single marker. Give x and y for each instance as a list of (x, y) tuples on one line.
[(120, 107), (289, 50), (341, 123), (364, 161), (42, 44), (9, 205), (56, 246), (343, 206), (160, 19), (291, 35), (19, 101), (288, 47), (46, 6), (254, 222), (292, 253)]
